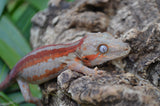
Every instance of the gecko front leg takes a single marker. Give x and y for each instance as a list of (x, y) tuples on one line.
[(24, 87), (75, 66)]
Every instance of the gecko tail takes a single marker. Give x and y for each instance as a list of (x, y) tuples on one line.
[(8, 80), (4, 84)]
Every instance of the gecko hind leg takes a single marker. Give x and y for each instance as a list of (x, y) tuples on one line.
[(24, 87)]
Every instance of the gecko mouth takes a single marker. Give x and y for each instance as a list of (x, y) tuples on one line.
[(120, 54)]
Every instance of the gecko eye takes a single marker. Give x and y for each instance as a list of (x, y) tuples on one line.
[(103, 48)]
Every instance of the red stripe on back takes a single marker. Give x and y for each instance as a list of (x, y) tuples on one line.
[(43, 56)]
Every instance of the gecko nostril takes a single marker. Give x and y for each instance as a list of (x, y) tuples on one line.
[(126, 49)]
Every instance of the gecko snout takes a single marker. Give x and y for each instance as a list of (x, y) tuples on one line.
[(127, 48)]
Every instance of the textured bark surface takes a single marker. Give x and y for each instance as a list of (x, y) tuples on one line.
[(135, 21)]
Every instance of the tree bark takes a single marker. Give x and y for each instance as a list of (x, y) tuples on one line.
[(134, 21)]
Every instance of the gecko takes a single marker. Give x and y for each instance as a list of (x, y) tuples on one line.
[(47, 62)]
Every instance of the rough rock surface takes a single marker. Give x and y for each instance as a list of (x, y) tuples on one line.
[(135, 21)]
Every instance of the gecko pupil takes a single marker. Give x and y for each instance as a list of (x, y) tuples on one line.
[(103, 48)]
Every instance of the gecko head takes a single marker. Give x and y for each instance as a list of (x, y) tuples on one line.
[(98, 48)]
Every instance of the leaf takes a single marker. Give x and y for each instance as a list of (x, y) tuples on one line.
[(3, 71), (27, 104), (6, 101), (12, 37), (2, 5), (24, 21), (13, 46), (8, 54), (39, 4), (16, 13), (35, 90), (16, 96), (70, 0)]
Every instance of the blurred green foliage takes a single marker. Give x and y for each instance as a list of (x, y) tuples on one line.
[(15, 24)]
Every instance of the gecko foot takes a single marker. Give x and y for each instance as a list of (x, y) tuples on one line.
[(94, 72), (98, 72)]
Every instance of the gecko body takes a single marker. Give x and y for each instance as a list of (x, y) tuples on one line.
[(45, 63)]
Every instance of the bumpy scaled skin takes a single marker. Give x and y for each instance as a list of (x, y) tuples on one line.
[(47, 62)]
